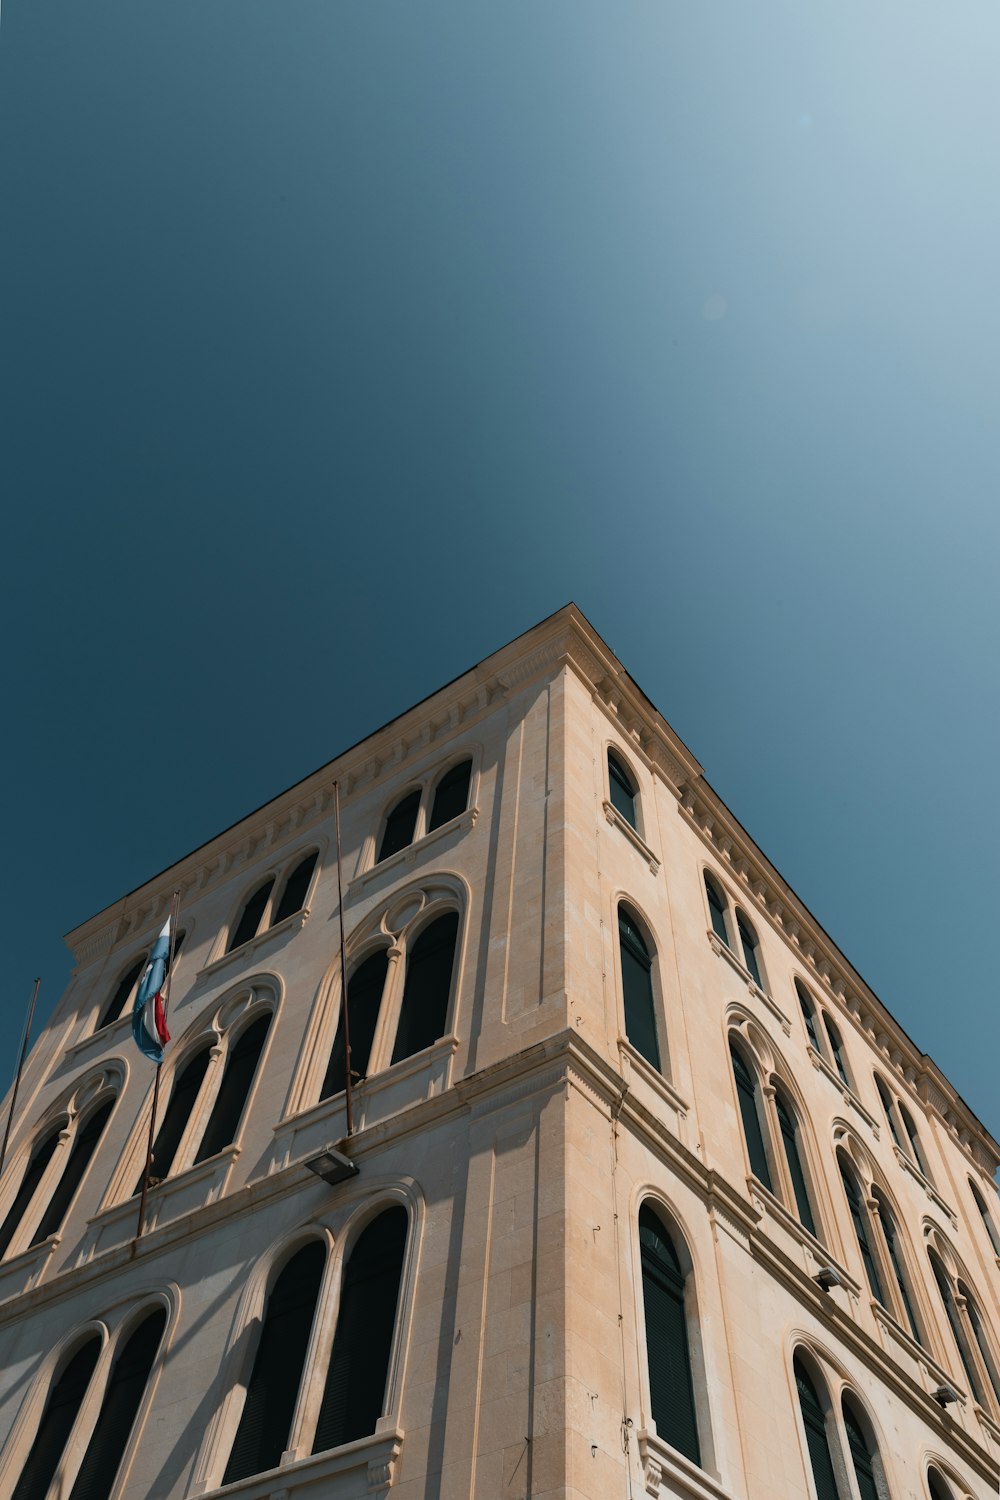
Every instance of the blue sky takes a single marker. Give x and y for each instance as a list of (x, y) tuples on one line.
[(342, 342)]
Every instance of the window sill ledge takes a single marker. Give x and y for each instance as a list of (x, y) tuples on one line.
[(928, 1187), (408, 856), (724, 951), (886, 1320), (378, 1455), (290, 924), (616, 820), (194, 1188), (770, 1204), (668, 1472), (848, 1095), (25, 1269), (634, 1062), (110, 1035)]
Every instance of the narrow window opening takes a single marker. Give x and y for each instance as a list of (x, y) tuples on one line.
[(862, 1454), (748, 940), (80, 1154), (886, 1099), (237, 1079), (837, 1049), (748, 1094), (40, 1158), (637, 989), (183, 1095), (717, 909), (622, 790), (119, 1409), (857, 1211), (817, 1439), (293, 896), (979, 1334), (123, 990), (914, 1139), (957, 1331), (400, 826), (936, 1486), (251, 916), (888, 1227), (790, 1140), (424, 1011), (451, 796), (671, 1388), (984, 1214), (808, 1016), (61, 1411), (364, 997)]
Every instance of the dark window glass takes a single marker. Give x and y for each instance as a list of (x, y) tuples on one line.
[(979, 1333), (251, 915), (936, 1486), (266, 1423), (808, 1016), (123, 990), (748, 940), (424, 1011), (671, 1389), (364, 999), (237, 1079), (886, 1099), (399, 826), (179, 941), (914, 1139), (748, 1094), (451, 795), (857, 1209), (621, 789), (637, 988), (717, 907), (862, 1456), (81, 1151), (182, 1101), (40, 1158), (957, 1331), (294, 895), (354, 1394), (888, 1226), (836, 1049), (61, 1410), (117, 1415), (790, 1140), (985, 1216), (814, 1422)]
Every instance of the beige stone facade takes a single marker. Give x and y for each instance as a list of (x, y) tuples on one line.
[(522, 1143)]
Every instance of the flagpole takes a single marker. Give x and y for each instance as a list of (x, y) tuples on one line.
[(174, 907), (17, 1076), (345, 1014)]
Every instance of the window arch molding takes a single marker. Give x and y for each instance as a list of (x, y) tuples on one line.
[(275, 877), (750, 952), (973, 1339), (64, 1120), (423, 785), (896, 1262), (987, 1216), (832, 1385), (719, 912), (650, 1196), (931, 1464), (625, 907), (116, 1001), (29, 1415), (218, 1030), (623, 791), (393, 927)]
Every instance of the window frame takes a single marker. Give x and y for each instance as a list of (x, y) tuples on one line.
[(642, 926), (279, 876), (745, 927), (128, 1004), (426, 783), (711, 882), (697, 1366), (628, 781)]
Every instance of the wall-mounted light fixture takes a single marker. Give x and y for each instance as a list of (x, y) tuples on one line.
[(826, 1278), (333, 1166)]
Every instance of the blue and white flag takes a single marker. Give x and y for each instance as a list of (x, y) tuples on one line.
[(149, 1020)]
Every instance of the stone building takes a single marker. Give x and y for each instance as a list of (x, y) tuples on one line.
[(652, 1194)]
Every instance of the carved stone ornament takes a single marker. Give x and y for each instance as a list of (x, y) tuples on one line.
[(654, 1476)]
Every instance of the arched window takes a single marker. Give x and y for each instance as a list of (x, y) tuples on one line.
[(354, 1394), (751, 949), (808, 1015), (914, 1139), (429, 966), (451, 795), (864, 1454), (122, 993), (748, 1094), (717, 909), (837, 1049), (116, 1418), (886, 1099), (984, 1214), (979, 1334), (936, 1487), (183, 1095), (364, 997), (61, 1411), (84, 1145), (622, 790), (400, 826), (637, 989), (273, 1388), (858, 1216), (251, 916), (296, 887), (955, 1324), (671, 1388), (41, 1155), (237, 1080), (789, 1126), (817, 1440), (887, 1224)]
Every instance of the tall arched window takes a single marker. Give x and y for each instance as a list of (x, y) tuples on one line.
[(955, 1324), (451, 795), (808, 1015), (914, 1140), (354, 1394), (364, 997), (671, 1388), (122, 993), (858, 1217), (40, 1157), (979, 1334), (984, 1214), (890, 1237), (84, 1145), (429, 966), (936, 1487), (237, 1080), (61, 1411), (748, 1095), (864, 1454), (717, 909), (400, 826), (622, 790), (836, 1047), (751, 949), (886, 1098), (817, 1440), (296, 887), (251, 916), (129, 1375), (273, 1388), (183, 1095), (637, 989), (789, 1127)]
